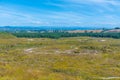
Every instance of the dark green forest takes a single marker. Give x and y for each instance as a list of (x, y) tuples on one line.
[(56, 35)]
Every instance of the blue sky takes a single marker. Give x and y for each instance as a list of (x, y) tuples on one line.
[(101, 13)]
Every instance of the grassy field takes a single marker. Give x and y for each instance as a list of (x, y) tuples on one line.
[(78, 58)]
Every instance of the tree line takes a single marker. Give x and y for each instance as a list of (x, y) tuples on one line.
[(56, 35)]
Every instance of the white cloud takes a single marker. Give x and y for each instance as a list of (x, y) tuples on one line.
[(73, 12)]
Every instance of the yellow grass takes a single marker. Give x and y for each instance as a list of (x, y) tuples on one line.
[(80, 58)]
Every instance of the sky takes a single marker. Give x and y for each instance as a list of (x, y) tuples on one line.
[(99, 13)]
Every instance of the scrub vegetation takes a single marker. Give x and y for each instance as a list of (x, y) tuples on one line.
[(73, 58)]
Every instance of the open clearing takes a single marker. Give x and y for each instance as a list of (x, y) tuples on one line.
[(78, 58)]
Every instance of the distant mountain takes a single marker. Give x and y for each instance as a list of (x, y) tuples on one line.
[(44, 28)]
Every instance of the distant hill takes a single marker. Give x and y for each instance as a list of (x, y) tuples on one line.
[(96, 31), (83, 31), (44, 28), (113, 30), (4, 35)]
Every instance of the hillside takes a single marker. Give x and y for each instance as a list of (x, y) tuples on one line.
[(4, 35), (113, 31)]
